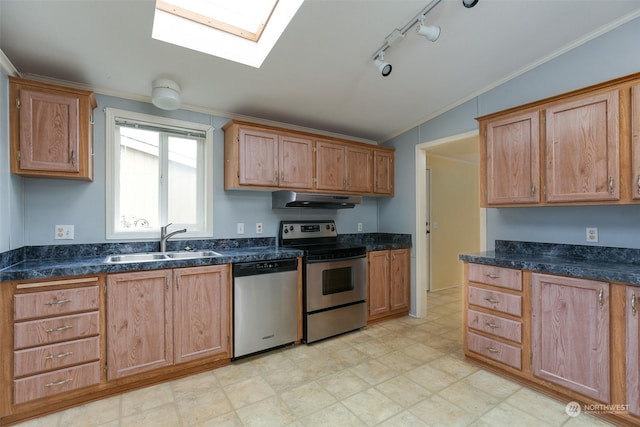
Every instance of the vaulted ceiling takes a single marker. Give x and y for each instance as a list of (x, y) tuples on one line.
[(320, 73)]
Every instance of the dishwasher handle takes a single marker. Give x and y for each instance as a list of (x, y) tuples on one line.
[(244, 269)]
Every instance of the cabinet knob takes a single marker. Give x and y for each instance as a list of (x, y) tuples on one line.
[(610, 185), (634, 311), (600, 298)]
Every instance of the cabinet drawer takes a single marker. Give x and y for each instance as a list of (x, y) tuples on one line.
[(496, 276), (55, 382), (55, 356), (496, 300), (504, 353), (55, 303), (56, 329), (505, 328)]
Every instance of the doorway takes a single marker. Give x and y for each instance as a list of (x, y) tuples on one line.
[(449, 218)]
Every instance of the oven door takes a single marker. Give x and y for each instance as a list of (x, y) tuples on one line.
[(334, 283)]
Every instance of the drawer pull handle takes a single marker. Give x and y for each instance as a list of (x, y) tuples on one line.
[(59, 356), (492, 350), (492, 276), (492, 325), (492, 300), (57, 302), (61, 328), (58, 382)]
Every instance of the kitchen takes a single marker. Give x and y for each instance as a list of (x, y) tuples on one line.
[(31, 218)]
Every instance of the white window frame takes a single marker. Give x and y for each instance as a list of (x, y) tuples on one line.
[(113, 169)]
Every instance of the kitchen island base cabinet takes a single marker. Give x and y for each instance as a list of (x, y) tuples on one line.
[(389, 281), (164, 317)]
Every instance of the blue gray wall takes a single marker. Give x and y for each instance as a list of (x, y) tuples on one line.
[(48, 202), (611, 55)]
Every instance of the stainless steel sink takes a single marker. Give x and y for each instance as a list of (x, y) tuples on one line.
[(140, 257), (159, 256), (192, 254)]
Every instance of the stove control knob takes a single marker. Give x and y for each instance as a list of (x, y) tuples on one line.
[(333, 227), (285, 231), (291, 227)]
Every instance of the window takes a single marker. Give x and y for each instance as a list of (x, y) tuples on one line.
[(159, 171)]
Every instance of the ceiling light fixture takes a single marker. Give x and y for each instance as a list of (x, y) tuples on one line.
[(431, 32), (384, 67), (165, 94)]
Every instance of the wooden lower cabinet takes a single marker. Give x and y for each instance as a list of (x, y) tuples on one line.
[(570, 333), (389, 281), (163, 317), (576, 339), (632, 299), (73, 340)]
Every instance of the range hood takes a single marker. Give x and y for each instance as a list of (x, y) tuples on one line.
[(294, 199)]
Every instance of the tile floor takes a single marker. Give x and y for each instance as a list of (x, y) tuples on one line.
[(404, 372)]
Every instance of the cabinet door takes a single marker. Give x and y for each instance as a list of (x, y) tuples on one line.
[(582, 149), (359, 171), (139, 322), (330, 166), (400, 281), (570, 333), (296, 162), (633, 349), (258, 157), (378, 276), (635, 142), (201, 312), (49, 131), (513, 160), (383, 172)]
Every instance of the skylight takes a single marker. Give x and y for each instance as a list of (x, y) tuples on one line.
[(243, 31)]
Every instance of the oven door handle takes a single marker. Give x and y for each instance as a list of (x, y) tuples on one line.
[(317, 261)]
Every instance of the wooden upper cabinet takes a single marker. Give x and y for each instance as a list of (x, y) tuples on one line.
[(51, 130), (635, 142), (582, 149), (258, 157), (261, 157), (359, 171), (512, 147), (296, 162), (330, 166), (383, 172)]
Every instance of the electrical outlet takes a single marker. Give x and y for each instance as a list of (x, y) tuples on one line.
[(592, 234), (359, 226), (258, 228), (64, 232), (240, 228)]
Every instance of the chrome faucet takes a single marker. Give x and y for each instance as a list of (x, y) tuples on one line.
[(164, 236)]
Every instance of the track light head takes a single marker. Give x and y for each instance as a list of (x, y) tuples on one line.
[(430, 32), (383, 67), (469, 3)]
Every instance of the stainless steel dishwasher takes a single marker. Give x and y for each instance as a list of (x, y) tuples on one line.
[(265, 305)]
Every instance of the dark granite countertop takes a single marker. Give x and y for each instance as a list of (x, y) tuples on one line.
[(43, 262), (590, 262)]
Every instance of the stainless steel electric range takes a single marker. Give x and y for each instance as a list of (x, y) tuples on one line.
[(334, 276)]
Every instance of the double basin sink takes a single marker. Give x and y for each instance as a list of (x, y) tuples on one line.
[(160, 256)]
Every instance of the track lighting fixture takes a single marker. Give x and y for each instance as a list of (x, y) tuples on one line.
[(430, 32), (383, 67)]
